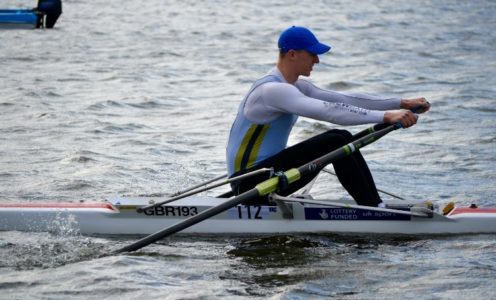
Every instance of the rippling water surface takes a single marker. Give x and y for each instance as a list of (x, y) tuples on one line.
[(137, 97)]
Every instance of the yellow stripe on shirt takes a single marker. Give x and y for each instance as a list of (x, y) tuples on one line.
[(250, 145)]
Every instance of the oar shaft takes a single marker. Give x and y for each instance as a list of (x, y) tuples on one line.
[(184, 195), (199, 185), (347, 149), (190, 221), (370, 130), (196, 191), (292, 175), (379, 190)]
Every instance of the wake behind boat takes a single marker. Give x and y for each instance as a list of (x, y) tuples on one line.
[(120, 216)]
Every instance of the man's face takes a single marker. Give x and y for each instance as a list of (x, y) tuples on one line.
[(305, 61)]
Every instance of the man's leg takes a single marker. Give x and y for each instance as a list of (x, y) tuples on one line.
[(354, 175), (352, 170)]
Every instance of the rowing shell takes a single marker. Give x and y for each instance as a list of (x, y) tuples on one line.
[(119, 215)]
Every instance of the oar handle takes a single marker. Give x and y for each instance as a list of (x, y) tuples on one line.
[(381, 126)]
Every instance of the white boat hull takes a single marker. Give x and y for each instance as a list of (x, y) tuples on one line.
[(118, 216)]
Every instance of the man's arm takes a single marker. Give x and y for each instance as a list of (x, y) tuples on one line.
[(286, 98), (355, 99)]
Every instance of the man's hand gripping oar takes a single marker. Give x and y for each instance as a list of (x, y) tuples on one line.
[(264, 188)]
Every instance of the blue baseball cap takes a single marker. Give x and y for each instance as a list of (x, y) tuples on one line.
[(300, 38)]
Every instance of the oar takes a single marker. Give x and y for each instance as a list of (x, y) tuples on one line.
[(379, 190), (355, 137), (262, 189), (199, 185), (379, 126), (370, 130), (193, 191)]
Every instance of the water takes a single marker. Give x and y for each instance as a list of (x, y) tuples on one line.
[(137, 98)]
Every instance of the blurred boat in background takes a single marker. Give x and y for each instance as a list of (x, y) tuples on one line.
[(45, 15)]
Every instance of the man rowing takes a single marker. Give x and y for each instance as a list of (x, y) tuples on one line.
[(259, 135)]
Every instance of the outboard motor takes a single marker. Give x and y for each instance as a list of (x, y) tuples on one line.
[(51, 9)]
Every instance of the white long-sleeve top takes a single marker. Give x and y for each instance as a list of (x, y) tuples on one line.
[(269, 110), (272, 99)]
